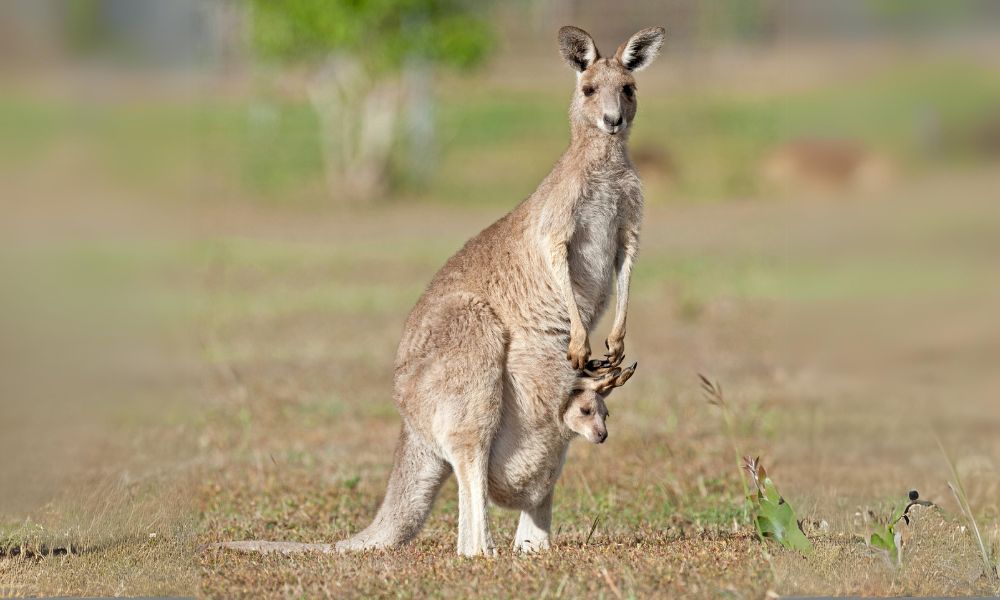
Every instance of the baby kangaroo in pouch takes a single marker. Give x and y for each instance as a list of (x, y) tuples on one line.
[(493, 376), (586, 411), (585, 414)]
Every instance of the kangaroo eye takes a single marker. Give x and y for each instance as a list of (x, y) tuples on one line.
[(585, 411), (588, 90), (628, 90)]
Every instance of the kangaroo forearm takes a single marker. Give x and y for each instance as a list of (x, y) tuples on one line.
[(578, 350), (623, 284), (621, 306), (565, 281)]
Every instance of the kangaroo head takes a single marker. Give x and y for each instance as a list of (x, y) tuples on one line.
[(605, 94), (586, 413)]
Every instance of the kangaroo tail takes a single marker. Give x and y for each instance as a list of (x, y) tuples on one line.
[(417, 475)]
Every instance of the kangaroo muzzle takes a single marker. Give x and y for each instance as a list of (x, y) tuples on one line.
[(612, 117)]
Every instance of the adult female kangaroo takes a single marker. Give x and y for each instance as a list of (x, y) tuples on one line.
[(481, 373)]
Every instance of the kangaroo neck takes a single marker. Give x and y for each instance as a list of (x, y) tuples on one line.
[(591, 147)]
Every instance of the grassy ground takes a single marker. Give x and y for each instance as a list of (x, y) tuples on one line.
[(231, 378), (291, 436)]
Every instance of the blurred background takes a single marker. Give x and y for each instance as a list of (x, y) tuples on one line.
[(215, 215)]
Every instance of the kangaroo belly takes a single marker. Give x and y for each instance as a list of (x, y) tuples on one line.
[(524, 466), (520, 484)]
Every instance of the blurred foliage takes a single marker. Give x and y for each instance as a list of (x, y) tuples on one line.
[(383, 33), (82, 26), (738, 19), (926, 13)]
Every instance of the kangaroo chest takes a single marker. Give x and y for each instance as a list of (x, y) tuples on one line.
[(594, 246)]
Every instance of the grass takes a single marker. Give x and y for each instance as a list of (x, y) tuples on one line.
[(290, 435), (989, 566), (268, 149)]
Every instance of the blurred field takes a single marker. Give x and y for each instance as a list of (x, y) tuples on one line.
[(706, 143), (198, 347)]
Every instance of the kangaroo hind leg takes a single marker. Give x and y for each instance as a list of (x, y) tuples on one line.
[(534, 526), (469, 404), (417, 474)]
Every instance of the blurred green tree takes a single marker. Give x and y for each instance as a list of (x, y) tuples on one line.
[(370, 59)]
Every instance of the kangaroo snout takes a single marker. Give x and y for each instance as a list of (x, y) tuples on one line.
[(613, 121), (600, 435)]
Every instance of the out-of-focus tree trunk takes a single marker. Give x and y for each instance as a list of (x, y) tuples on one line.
[(231, 42), (358, 118), (367, 174), (421, 147)]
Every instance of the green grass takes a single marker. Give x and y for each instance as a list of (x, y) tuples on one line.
[(269, 148), (717, 138), (763, 277)]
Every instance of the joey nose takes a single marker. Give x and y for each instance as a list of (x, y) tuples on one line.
[(613, 121)]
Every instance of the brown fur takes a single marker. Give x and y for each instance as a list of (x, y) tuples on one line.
[(481, 374)]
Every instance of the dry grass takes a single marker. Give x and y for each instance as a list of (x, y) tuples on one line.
[(288, 429)]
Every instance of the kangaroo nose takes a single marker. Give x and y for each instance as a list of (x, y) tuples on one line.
[(612, 121), (601, 436)]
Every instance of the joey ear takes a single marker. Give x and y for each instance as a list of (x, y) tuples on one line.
[(577, 48), (640, 49)]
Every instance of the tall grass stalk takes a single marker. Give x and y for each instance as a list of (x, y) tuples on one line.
[(963, 503), (713, 393)]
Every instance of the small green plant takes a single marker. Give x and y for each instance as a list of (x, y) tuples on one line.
[(773, 517), (886, 537)]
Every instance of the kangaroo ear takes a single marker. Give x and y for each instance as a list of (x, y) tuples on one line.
[(640, 49), (577, 48)]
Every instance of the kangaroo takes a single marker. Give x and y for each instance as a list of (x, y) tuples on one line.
[(496, 344), (525, 466)]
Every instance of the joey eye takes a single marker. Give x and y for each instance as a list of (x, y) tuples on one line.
[(628, 90), (585, 411), (588, 90)]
